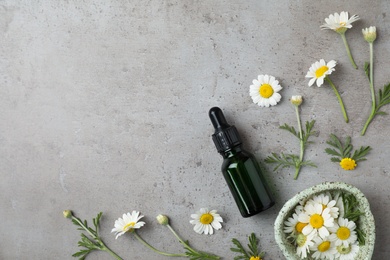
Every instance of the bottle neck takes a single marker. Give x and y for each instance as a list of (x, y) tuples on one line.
[(232, 152)]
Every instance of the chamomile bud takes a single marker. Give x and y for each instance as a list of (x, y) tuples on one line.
[(296, 100), (369, 34), (67, 214), (162, 219)]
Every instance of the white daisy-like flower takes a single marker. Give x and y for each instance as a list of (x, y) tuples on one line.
[(206, 221), (127, 223), (339, 22), (264, 91), (317, 218), (347, 252), (303, 244), (319, 70), (323, 248), (343, 232), (327, 202), (293, 226)]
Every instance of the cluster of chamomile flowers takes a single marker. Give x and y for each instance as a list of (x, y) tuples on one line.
[(319, 230)]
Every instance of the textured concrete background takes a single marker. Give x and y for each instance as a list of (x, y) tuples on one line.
[(104, 107)]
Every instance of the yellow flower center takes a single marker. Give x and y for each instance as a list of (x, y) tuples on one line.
[(316, 221), (321, 71), (343, 23), (343, 233), (266, 90), (324, 246), (255, 258), (348, 164), (206, 218), (299, 226), (131, 224)]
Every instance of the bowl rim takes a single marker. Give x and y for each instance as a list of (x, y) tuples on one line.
[(309, 192)]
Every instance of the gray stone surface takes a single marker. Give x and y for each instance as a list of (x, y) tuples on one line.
[(104, 107)]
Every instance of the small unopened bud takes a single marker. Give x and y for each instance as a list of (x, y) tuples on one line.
[(162, 219), (296, 100), (369, 34), (67, 214)]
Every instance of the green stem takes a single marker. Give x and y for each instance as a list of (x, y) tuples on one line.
[(103, 247), (339, 98), (348, 50), (112, 253), (140, 239), (373, 108), (298, 167), (180, 239), (84, 227), (187, 246)]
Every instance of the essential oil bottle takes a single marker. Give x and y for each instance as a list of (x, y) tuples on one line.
[(240, 168)]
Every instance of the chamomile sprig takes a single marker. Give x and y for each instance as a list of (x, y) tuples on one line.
[(251, 254), (91, 242), (342, 152), (291, 160)]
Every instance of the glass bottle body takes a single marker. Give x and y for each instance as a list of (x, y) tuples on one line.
[(246, 182)]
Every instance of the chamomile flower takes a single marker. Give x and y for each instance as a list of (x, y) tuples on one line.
[(347, 252), (293, 226), (264, 91), (206, 221), (319, 70), (343, 232), (317, 218), (303, 243), (127, 223), (327, 202), (348, 164), (323, 248), (339, 22)]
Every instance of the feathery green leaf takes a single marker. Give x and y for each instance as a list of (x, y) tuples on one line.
[(345, 150), (290, 129), (253, 248)]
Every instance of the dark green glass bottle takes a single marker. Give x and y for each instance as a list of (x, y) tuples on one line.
[(240, 169)]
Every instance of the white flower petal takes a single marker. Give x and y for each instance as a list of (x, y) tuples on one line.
[(307, 230), (320, 81), (323, 232), (199, 228), (304, 218), (311, 82)]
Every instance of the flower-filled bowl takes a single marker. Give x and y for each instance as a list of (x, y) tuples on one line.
[(365, 222)]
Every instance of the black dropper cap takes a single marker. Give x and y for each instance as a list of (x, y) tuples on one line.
[(226, 136)]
